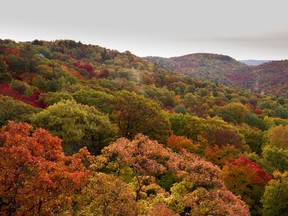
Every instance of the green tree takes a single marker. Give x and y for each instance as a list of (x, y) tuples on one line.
[(17, 64), (282, 112), (232, 112), (254, 120), (275, 198), (275, 159), (191, 100), (78, 125), (5, 76), (14, 110), (180, 109), (99, 99), (254, 138), (54, 97), (212, 130), (136, 114)]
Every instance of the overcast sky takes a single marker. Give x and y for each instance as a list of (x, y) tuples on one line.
[(246, 29)]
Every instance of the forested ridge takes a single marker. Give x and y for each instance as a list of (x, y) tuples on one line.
[(92, 131), (267, 78)]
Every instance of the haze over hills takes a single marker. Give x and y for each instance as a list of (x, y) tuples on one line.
[(252, 62), (267, 77)]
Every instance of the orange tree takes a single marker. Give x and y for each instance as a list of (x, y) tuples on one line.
[(36, 178)]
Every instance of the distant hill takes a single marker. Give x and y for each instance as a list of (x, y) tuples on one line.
[(202, 66), (254, 62), (270, 77)]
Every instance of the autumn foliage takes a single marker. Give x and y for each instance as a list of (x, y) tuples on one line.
[(36, 178), (275, 198), (219, 155), (198, 188), (245, 178), (179, 142), (160, 143), (6, 90)]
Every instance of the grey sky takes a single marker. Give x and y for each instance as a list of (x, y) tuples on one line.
[(246, 29)]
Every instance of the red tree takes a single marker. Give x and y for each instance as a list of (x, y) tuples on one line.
[(35, 175), (6, 90), (219, 155), (245, 178)]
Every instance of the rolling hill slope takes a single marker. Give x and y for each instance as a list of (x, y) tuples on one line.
[(267, 78)]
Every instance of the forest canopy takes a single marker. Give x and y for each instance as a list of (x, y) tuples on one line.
[(89, 130)]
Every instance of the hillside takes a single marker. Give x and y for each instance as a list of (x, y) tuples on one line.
[(208, 67), (266, 78), (87, 130), (273, 77)]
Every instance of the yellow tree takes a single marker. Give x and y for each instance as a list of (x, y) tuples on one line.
[(106, 195), (278, 136), (197, 189)]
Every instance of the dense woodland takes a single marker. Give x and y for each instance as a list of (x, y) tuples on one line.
[(267, 78), (92, 131)]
